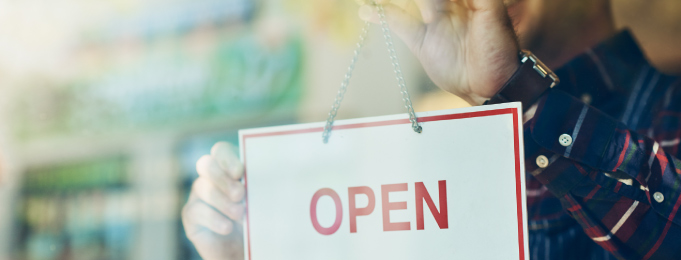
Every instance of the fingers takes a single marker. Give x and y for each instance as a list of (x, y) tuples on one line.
[(428, 9), (197, 215), (208, 168), (408, 28), (368, 13), (215, 205), (212, 246), (223, 153), (214, 197), (486, 5), (213, 235)]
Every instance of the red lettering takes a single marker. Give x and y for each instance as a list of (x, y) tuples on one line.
[(422, 194), (388, 206), (313, 211), (353, 210)]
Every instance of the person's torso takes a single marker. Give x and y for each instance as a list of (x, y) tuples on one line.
[(614, 78)]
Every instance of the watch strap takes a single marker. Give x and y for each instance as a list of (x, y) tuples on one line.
[(526, 85)]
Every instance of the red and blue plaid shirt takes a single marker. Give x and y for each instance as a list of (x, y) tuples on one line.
[(614, 192)]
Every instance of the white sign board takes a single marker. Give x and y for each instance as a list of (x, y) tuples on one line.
[(378, 190)]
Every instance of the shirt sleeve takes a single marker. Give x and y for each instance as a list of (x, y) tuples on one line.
[(621, 187)]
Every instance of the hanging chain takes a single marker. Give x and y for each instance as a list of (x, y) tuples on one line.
[(348, 74), (344, 84), (398, 71)]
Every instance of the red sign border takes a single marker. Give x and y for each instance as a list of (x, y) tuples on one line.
[(492, 112)]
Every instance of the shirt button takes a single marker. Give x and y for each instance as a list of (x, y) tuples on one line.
[(542, 161), (565, 140), (658, 197)]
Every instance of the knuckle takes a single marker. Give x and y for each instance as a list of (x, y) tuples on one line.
[(203, 164), (196, 185), (221, 148), (224, 156), (186, 213), (216, 196), (237, 170), (237, 193), (200, 186)]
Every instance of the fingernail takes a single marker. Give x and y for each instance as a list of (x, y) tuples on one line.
[(236, 170), (223, 154), (214, 166), (365, 12)]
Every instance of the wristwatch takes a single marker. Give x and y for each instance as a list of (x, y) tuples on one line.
[(528, 83)]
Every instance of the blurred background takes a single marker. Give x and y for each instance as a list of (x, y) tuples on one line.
[(105, 106)]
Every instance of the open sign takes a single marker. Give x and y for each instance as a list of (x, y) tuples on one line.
[(421, 194), (377, 190)]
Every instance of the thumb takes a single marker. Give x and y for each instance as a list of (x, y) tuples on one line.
[(406, 27)]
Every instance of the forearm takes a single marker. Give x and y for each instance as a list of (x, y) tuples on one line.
[(634, 215)]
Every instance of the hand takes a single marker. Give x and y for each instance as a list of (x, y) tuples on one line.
[(212, 216), (467, 47)]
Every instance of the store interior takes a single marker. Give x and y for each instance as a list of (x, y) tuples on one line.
[(105, 106)]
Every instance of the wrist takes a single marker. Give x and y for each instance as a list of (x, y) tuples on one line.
[(527, 83), (505, 76), (475, 100)]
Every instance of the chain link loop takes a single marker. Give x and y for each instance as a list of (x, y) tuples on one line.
[(344, 85), (348, 74), (398, 71)]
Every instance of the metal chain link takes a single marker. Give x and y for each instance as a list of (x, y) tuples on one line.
[(348, 74), (398, 71), (344, 84)]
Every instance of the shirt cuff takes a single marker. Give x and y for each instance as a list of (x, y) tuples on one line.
[(569, 137), (570, 128)]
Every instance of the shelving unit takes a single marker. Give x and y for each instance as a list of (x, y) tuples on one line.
[(85, 210), (103, 159)]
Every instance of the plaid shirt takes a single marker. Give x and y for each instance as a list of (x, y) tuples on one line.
[(614, 190)]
